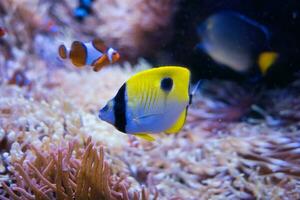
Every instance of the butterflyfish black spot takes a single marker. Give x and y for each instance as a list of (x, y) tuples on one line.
[(166, 84)]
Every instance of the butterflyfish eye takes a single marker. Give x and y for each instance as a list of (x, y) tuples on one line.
[(166, 84)]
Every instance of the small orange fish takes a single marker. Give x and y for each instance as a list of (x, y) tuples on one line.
[(2, 32), (94, 53), (48, 26)]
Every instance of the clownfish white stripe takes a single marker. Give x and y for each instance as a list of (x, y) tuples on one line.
[(92, 53)]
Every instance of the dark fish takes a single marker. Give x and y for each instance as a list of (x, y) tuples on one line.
[(236, 41), (83, 10)]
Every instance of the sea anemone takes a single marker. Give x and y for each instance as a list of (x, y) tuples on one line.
[(218, 103), (67, 173), (247, 166)]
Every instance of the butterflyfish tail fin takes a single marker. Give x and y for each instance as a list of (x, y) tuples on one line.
[(62, 51), (266, 60), (78, 54), (145, 136), (176, 127)]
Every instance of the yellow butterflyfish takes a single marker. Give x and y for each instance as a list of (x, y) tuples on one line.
[(150, 102)]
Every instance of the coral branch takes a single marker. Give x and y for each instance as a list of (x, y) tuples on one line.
[(10, 192), (52, 186)]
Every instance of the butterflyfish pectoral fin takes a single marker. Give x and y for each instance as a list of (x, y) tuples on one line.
[(176, 127), (100, 63), (78, 54), (145, 136), (265, 61)]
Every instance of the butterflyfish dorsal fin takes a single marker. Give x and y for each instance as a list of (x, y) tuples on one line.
[(99, 45), (145, 136), (265, 61), (78, 54), (100, 63), (176, 127), (62, 51)]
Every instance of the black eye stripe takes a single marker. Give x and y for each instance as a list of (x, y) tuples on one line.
[(166, 84), (120, 109)]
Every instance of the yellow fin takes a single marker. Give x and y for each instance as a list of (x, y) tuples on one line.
[(145, 136), (265, 61), (178, 124)]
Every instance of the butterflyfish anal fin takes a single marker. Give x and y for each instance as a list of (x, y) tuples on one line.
[(100, 63), (176, 127), (265, 61), (145, 136), (78, 54), (62, 51)]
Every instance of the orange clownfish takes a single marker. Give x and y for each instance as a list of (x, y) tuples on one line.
[(94, 53)]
